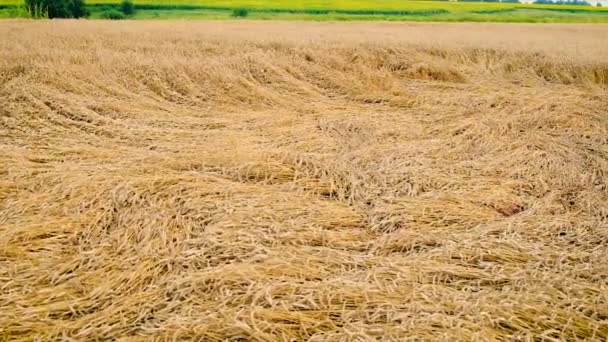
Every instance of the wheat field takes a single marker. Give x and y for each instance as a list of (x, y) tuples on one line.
[(289, 181)]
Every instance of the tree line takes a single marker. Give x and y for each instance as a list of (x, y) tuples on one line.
[(73, 9)]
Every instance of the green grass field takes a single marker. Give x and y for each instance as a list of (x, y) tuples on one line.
[(406, 10)]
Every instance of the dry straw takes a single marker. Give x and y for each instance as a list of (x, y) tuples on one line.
[(292, 181)]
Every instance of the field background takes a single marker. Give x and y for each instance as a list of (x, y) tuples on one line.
[(303, 181), (410, 10)]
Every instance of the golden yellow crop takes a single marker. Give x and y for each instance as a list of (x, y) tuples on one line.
[(281, 181)]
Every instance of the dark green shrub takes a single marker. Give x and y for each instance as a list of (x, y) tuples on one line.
[(56, 8), (240, 12), (127, 7), (77, 8), (113, 14)]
